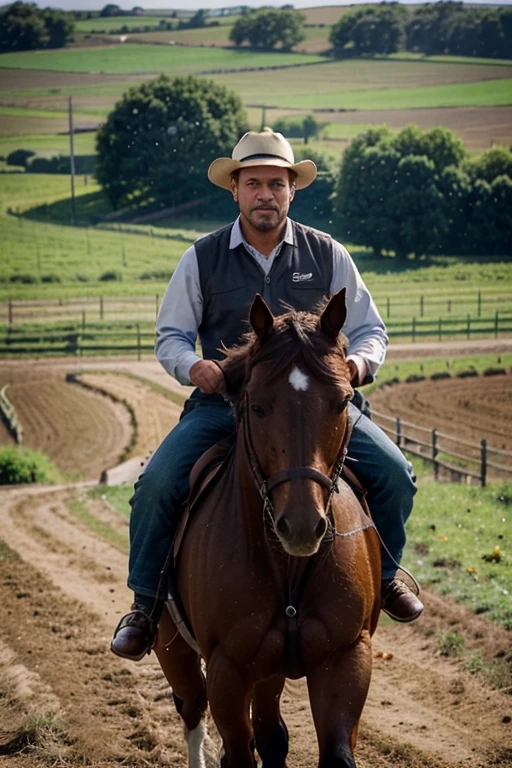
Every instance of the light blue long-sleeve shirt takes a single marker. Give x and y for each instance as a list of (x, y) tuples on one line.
[(181, 310)]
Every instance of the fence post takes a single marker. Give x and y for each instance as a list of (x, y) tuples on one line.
[(138, 341), (439, 330), (10, 312), (421, 305), (388, 307), (468, 331), (413, 329), (398, 432), (479, 304), (496, 324), (483, 463), (157, 304), (83, 320), (434, 454), (101, 307)]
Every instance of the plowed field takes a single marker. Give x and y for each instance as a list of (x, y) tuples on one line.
[(66, 701)]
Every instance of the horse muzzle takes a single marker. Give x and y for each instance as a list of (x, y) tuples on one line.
[(300, 530)]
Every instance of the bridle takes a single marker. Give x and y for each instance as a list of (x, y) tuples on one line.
[(266, 485)]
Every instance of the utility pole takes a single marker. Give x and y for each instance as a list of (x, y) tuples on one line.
[(72, 161)]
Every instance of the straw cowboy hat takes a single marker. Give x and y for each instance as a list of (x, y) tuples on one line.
[(265, 148)]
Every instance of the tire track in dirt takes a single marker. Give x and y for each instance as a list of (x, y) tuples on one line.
[(66, 588)]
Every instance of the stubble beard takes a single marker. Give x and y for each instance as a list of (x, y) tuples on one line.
[(265, 221)]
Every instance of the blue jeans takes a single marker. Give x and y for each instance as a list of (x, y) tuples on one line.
[(163, 485)]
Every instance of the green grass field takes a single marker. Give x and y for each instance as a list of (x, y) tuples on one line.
[(125, 59), (43, 257)]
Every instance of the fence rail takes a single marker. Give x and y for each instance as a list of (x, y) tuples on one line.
[(474, 305), (472, 464), (135, 337)]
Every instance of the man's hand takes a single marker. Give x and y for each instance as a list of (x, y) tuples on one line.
[(354, 373), (206, 375)]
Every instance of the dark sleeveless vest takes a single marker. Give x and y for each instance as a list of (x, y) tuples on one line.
[(301, 276)]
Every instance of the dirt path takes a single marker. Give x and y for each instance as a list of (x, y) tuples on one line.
[(66, 701)]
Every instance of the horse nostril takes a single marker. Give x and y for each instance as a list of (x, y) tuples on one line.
[(283, 528), (321, 528)]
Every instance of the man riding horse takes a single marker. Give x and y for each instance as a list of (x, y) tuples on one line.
[(209, 296)]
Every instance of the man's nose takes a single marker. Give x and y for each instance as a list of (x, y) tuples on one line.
[(266, 193)]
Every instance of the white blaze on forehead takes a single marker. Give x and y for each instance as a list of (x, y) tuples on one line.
[(298, 380)]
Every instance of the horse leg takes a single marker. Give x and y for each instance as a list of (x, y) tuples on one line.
[(337, 690), (270, 731), (229, 695), (181, 666)]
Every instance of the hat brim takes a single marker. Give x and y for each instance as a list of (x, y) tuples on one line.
[(221, 169)]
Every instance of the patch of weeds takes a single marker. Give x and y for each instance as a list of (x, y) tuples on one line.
[(451, 644), (80, 511), (497, 673)]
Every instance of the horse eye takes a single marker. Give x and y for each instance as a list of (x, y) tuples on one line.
[(258, 410)]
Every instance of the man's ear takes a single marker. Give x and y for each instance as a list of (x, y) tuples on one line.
[(334, 315), (234, 188), (261, 318)]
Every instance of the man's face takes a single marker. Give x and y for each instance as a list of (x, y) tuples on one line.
[(264, 194)]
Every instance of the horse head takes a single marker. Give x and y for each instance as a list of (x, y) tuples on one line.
[(293, 415)]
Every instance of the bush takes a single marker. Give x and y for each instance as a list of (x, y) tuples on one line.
[(23, 278), (111, 275), (22, 465), (440, 375), (467, 373), (413, 377), (494, 372), (19, 157)]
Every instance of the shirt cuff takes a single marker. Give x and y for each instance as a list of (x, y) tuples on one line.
[(182, 372)]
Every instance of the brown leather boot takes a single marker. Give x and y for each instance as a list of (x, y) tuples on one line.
[(134, 636), (399, 602)]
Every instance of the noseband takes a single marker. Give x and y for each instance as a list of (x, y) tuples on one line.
[(267, 485)]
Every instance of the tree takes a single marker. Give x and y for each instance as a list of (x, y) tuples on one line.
[(397, 193), (304, 127), (268, 29), (495, 162), (110, 10), (490, 227), (25, 27), (372, 30), (59, 26), (160, 138)]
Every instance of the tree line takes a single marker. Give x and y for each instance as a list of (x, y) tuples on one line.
[(444, 27), (25, 27), (410, 193)]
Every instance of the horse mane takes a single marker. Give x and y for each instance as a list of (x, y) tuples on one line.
[(295, 335)]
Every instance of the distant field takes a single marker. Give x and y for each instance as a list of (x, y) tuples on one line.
[(116, 22), (120, 59), (360, 92)]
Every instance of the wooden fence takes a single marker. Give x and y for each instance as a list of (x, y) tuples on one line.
[(450, 456), (470, 307), (85, 338)]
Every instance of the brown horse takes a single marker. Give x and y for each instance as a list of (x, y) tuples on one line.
[(279, 570)]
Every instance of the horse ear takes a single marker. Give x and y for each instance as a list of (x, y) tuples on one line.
[(334, 315), (261, 317)]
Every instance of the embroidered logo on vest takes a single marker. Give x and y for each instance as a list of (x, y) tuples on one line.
[(297, 277)]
